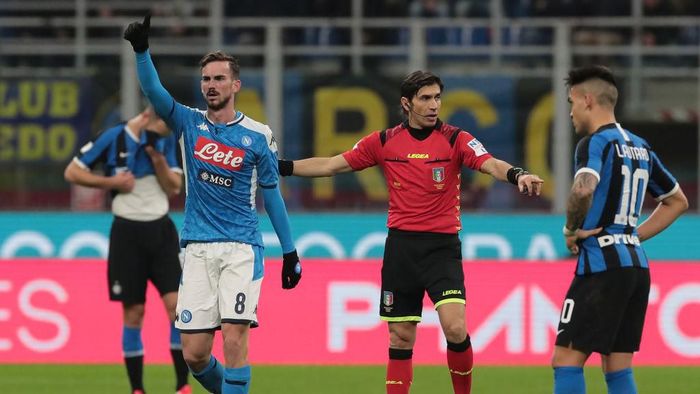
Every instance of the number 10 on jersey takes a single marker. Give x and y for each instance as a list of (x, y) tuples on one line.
[(634, 185)]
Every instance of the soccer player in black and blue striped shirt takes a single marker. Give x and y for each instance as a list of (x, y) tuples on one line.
[(606, 303), (141, 169)]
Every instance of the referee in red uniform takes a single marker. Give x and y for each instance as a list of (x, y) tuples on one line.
[(421, 159)]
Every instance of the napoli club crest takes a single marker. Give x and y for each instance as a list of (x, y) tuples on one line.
[(439, 174)]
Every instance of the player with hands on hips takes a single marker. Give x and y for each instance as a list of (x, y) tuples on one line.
[(605, 305)]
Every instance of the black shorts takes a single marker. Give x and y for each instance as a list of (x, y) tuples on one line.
[(416, 262), (604, 312), (139, 252)]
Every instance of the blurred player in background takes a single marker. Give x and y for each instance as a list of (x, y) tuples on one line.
[(142, 171), (227, 156), (605, 306), (421, 159)]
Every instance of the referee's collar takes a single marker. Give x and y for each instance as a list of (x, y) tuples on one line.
[(408, 127), (423, 133)]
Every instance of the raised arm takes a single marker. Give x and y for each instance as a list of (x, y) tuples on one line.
[(137, 34), (314, 166)]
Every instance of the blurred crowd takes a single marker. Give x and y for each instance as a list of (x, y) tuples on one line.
[(182, 9), (470, 9), (479, 35)]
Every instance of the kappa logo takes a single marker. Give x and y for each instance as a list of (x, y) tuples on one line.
[(203, 126), (218, 154)]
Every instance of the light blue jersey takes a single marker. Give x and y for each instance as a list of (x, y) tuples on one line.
[(224, 165)]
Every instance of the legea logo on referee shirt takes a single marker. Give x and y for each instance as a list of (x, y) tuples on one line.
[(220, 155)]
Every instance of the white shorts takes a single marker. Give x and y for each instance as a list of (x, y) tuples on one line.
[(220, 284)]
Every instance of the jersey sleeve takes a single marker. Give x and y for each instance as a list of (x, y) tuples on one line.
[(172, 112), (471, 150), (661, 182), (268, 175), (96, 151), (180, 117), (171, 153), (366, 153), (589, 156)]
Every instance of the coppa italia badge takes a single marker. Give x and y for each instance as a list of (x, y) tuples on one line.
[(218, 154)]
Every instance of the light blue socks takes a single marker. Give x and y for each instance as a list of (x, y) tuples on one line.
[(236, 380), (212, 376)]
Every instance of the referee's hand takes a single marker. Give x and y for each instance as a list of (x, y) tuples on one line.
[(291, 270), (137, 34)]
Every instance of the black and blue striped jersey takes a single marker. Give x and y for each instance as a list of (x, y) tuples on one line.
[(119, 149), (626, 168)]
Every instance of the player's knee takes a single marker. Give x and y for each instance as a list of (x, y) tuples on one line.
[(133, 314), (234, 343), (402, 339), (196, 359), (455, 332)]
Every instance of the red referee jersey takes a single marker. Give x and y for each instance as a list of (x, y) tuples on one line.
[(423, 176)]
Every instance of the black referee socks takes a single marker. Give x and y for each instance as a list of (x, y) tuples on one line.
[(460, 347)]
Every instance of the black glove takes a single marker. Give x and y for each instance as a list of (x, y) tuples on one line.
[(137, 34), (285, 167), (291, 270)]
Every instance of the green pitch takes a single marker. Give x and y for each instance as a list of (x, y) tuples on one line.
[(159, 379)]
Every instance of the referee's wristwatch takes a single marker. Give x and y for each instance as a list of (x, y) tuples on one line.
[(568, 233)]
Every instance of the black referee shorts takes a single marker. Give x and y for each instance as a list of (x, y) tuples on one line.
[(416, 262), (139, 252), (604, 312)]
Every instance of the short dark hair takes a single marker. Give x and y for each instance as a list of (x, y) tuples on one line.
[(582, 74), (416, 80), (219, 56)]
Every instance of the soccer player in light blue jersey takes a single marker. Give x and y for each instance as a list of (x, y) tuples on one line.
[(227, 157), (605, 306)]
